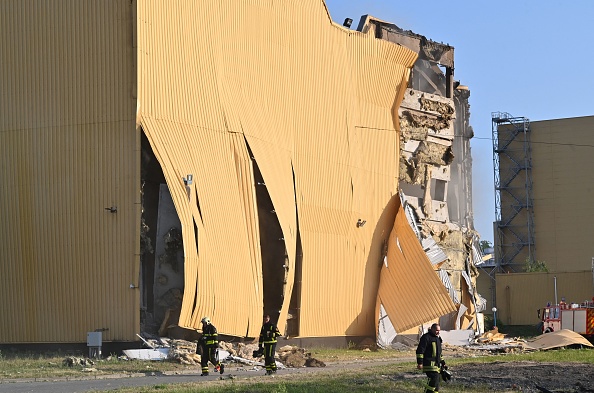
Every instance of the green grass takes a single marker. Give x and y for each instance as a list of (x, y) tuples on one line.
[(43, 366), (367, 377), (550, 356), (384, 378)]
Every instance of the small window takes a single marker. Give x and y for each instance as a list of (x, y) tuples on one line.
[(439, 189)]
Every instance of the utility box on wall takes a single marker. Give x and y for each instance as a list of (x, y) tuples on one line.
[(94, 342)]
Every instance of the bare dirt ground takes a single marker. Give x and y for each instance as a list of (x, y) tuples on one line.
[(527, 376)]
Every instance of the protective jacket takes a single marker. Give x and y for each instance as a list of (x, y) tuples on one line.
[(268, 334), (429, 352), (210, 337)]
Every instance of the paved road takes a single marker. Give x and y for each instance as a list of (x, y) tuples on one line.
[(112, 382)]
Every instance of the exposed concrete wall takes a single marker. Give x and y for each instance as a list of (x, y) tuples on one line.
[(435, 161)]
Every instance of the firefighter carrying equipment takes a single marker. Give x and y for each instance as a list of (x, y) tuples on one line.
[(429, 353), (445, 374)]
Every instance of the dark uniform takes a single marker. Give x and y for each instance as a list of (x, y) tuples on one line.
[(209, 343), (429, 355), (268, 336)]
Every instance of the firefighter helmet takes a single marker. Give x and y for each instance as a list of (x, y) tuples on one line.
[(206, 320)]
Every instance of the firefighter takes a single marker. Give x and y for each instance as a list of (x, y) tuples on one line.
[(209, 343), (267, 343), (430, 359)]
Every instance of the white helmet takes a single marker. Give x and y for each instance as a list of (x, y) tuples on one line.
[(206, 320)]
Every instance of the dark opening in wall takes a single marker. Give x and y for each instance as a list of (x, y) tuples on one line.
[(151, 179), (272, 245), (439, 189)]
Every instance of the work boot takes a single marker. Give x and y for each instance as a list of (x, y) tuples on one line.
[(268, 372), (222, 368), (204, 375)]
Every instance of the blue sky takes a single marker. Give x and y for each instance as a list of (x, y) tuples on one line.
[(532, 59)]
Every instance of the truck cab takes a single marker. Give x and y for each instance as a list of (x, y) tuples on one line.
[(576, 317)]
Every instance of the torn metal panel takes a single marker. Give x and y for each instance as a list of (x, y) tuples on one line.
[(218, 165), (433, 251), (561, 338), (386, 333), (331, 180), (478, 301), (410, 290), (410, 216), (445, 279)]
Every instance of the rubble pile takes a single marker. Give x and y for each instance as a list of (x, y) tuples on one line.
[(488, 343), (72, 361), (292, 356), (185, 352), (490, 337)]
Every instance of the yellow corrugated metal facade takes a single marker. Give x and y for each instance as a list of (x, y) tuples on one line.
[(519, 295), (215, 86), (402, 294), (315, 103), (68, 150)]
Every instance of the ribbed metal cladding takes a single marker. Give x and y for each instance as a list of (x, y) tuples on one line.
[(210, 70), (68, 150), (223, 182), (314, 101), (410, 299), (346, 171)]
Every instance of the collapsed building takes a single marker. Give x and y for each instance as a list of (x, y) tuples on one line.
[(435, 175), (162, 170)]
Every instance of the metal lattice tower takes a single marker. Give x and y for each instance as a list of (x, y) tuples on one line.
[(514, 213)]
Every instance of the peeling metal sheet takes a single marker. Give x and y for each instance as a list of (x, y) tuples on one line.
[(481, 303), (445, 278), (386, 333), (562, 338), (433, 251), (409, 289)]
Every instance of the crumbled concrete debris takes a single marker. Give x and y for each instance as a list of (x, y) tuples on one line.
[(292, 356), (411, 132), (312, 362), (411, 171), (489, 343), (184, 352), (416, 124), (434, 153), (445, 110), (72, 361)]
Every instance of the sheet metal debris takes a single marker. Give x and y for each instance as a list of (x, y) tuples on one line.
[(561, 338)]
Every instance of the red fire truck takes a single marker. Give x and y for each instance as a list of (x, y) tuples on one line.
[(576, 317)]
